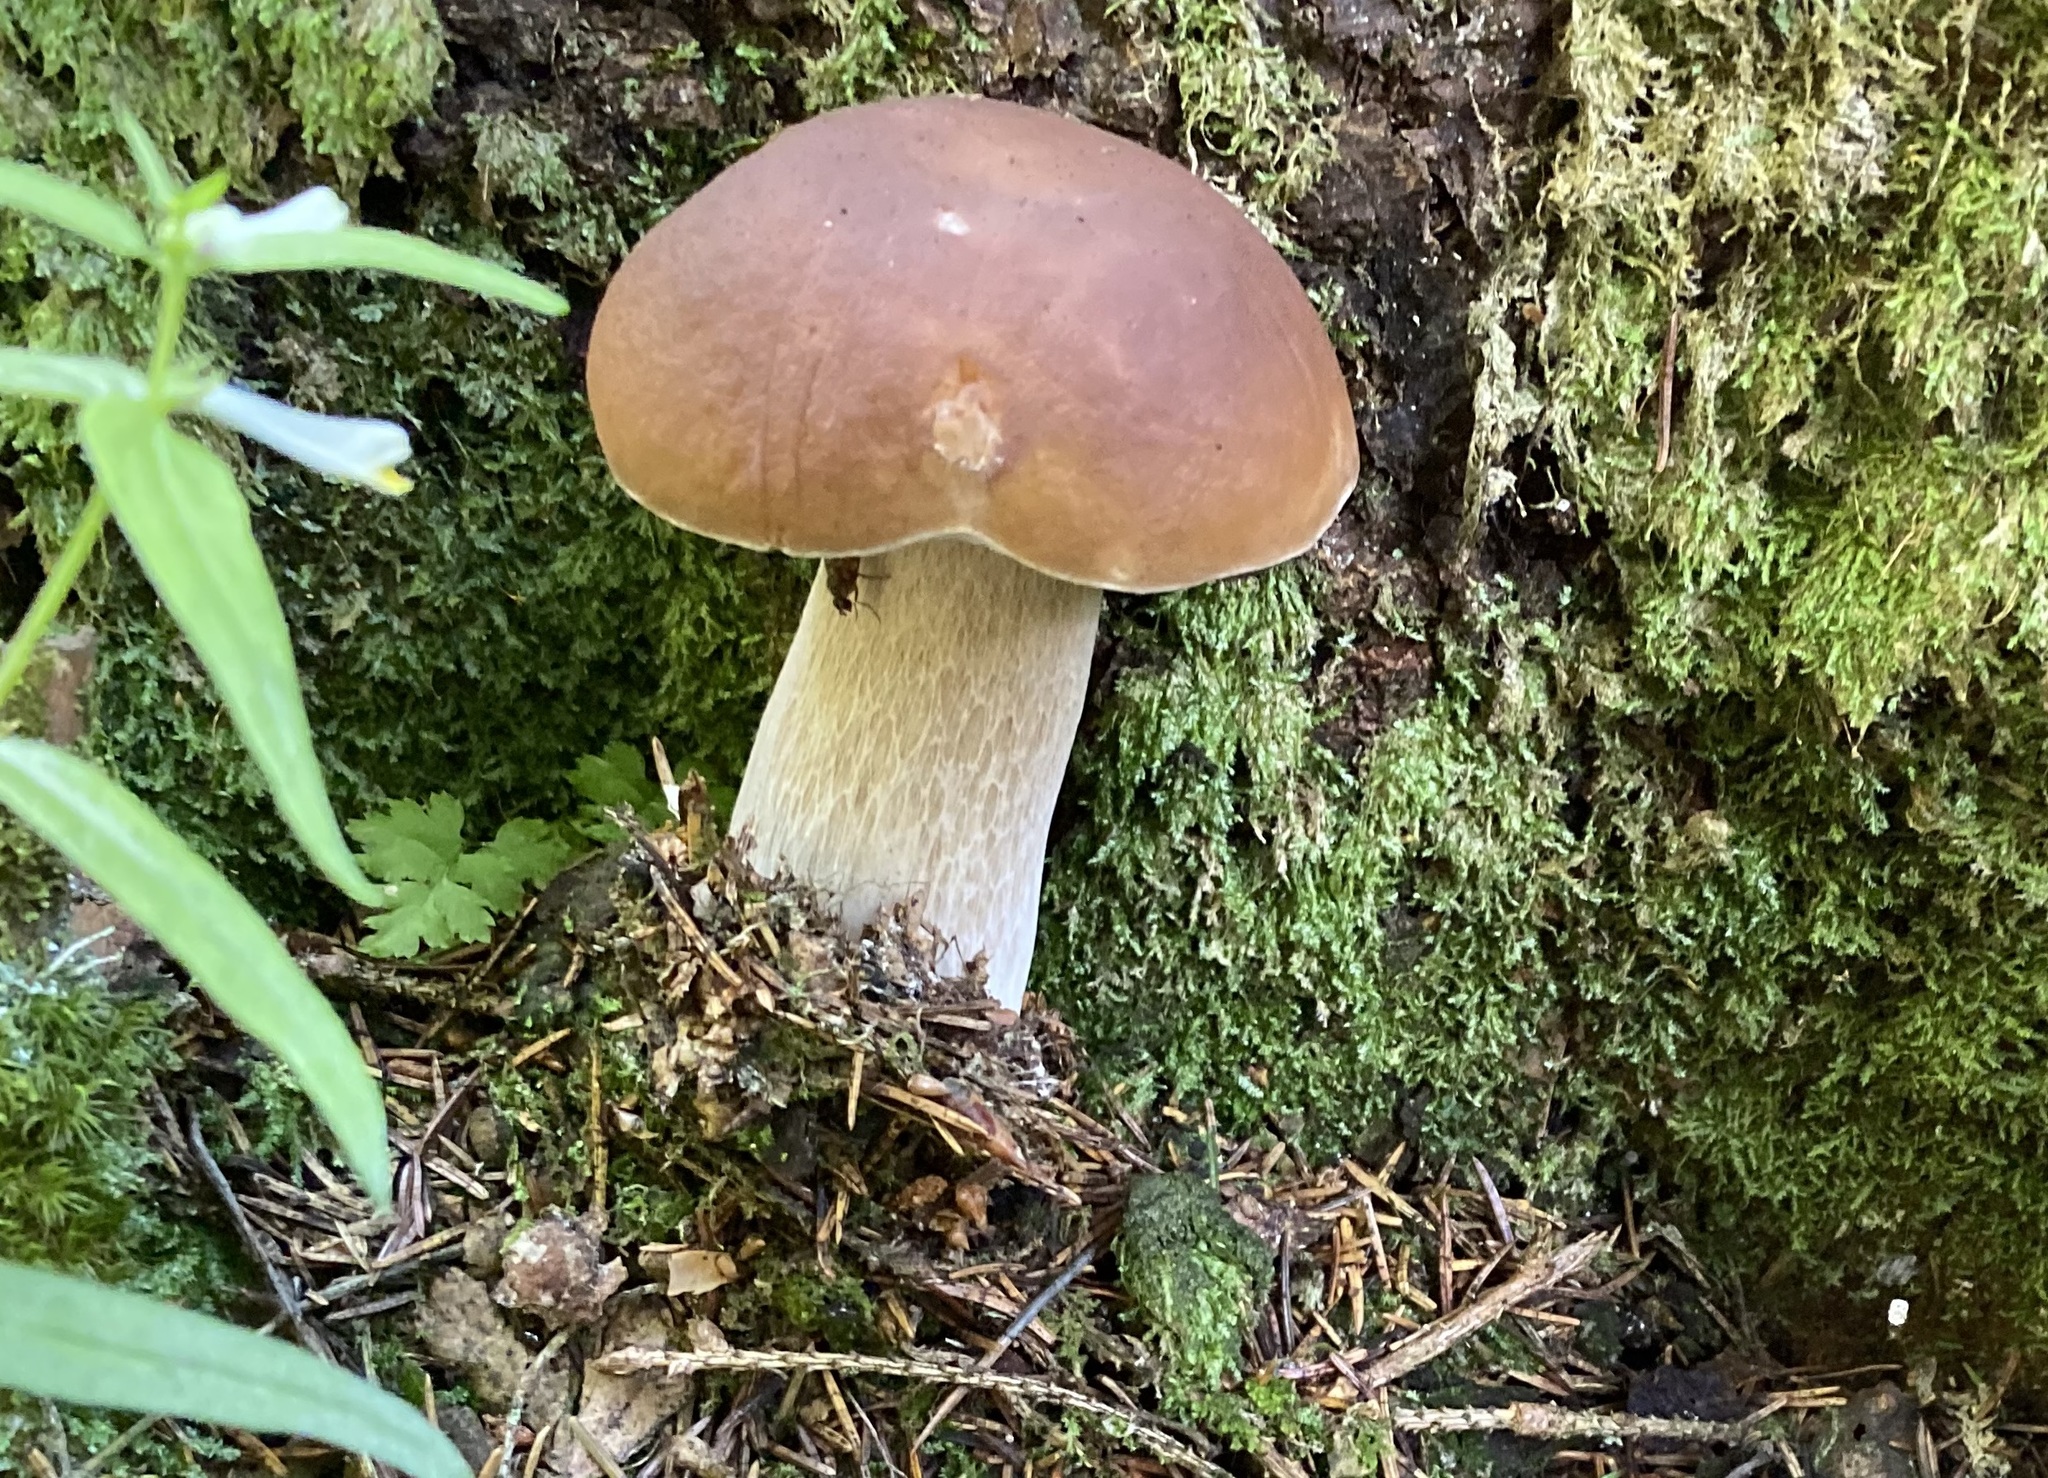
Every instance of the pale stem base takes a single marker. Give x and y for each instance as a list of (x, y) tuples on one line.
[(914, 745)]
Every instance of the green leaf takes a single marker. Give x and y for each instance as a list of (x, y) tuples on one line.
[(617, 777), (67, 376), (445, 894), (73, 1340), (188, 523), (428, 916), (376, 250), (196, 914), (402, 931), (408, 842), (80, 377), (85, 212), (156, 174), (522, 853), (207, 190)]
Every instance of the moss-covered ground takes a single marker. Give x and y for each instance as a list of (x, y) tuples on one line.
[(1644, 780)]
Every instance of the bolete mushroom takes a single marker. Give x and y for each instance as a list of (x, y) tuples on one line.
[(1007, 361)]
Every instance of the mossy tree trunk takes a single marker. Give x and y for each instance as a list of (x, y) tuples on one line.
[(1650, 757)]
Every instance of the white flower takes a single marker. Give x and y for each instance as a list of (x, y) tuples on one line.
[(216, 231), (348, 447)]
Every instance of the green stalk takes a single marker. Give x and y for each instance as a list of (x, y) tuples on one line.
[(170, 323), (14, 657), (56, 586)]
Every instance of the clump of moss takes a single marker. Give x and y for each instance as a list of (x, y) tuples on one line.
[(878, 50), (76, 1061), (1259, 111), (835, 1309), (79, 1188), (1843, 209), (1195, 1276)]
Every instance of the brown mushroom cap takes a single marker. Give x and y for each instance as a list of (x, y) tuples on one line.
[(949, 315)]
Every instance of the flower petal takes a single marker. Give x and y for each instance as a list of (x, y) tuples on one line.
[(351, 448), (219, 229)]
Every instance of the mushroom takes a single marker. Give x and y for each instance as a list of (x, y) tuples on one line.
[(1005, 361)]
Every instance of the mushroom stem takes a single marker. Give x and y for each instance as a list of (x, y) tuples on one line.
[(914, 745)]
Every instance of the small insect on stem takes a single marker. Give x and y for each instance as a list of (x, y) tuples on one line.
[(842, 583)]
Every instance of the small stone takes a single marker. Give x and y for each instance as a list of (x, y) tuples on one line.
[(485, 1132), (554, 1268), (706, 1338), (483, 1243), (461, 1329), (462, 1426), (623, 1412)]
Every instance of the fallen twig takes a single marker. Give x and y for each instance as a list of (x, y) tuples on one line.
[(1454, 1329), (1559, 1423), (416, 1210), (674, 1363), (1076, 1265), (599, 1453), (281, 1289)]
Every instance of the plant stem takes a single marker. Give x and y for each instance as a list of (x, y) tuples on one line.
[(14, 657), (170, 325)]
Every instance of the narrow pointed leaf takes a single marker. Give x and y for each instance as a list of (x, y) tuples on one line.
[(375, 250), (209, 928), (156, 173), (188, 523), (66, 376), (84, 212), (203, 192), (72, 1340)]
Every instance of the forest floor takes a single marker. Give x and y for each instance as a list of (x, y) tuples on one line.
[(688, 1184)]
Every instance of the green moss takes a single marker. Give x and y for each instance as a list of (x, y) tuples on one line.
[(1358, 1444), (1242, 916), (1195, 1276), (878, 50), (80, 1182), (1731, 852), (1260, 113), (25, 1427), (284, 1128), (784, 1299), (1254, 114), (1826, 912), (75, 1063), (518, 159), (350, 73), (1845, 209)]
